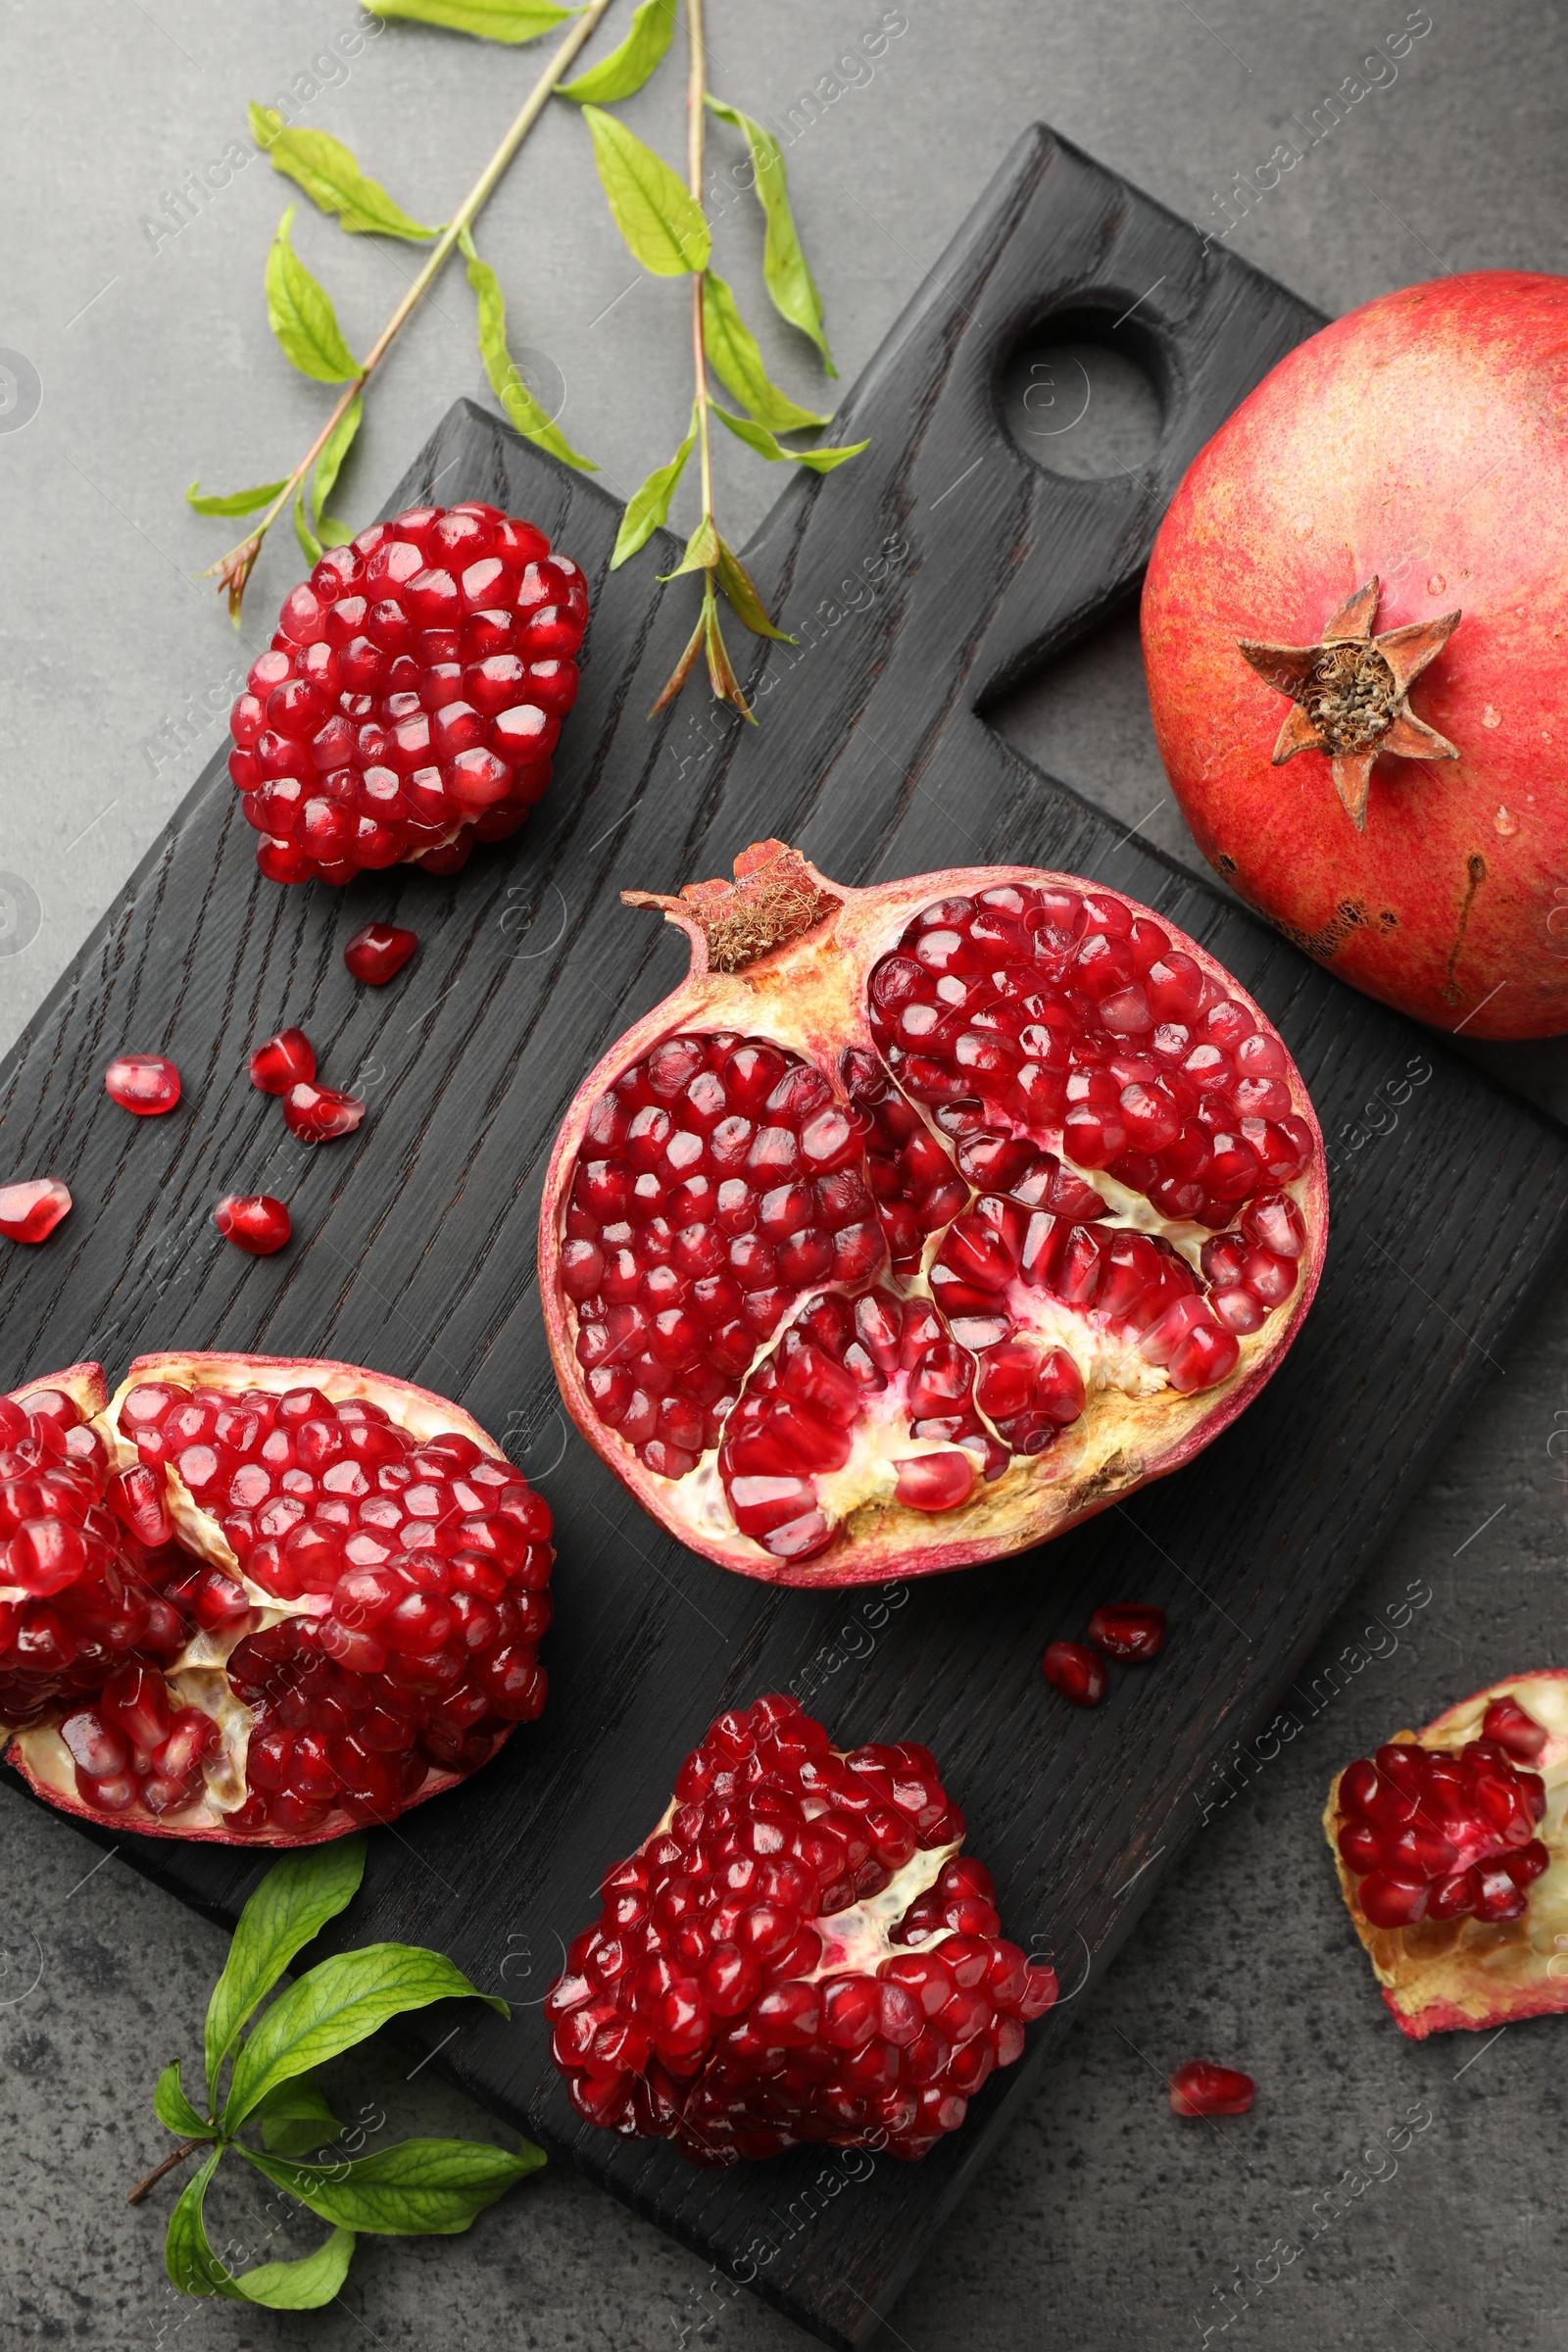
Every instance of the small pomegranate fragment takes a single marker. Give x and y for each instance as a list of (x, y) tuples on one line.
[(1133, 1631), (379, 953), (144, 1083), (1200, 2088), (318, 1113), (799, 1953), (260, 1601), (30, 1213), (254, 1222), (1075, 1671), (284, 1060), (1451, 1848)]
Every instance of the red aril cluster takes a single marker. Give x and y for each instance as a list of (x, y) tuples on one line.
[(30, 1213), (412, 697), (144, 1083), (377, 952), (358, 1573), (797, 1954), (1200, 2088), (1443, 1836)]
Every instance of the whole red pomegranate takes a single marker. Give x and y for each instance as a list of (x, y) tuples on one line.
[(798, 1952), (261, 1600), (1363, 575), (1454, 1859), (922, 1221)]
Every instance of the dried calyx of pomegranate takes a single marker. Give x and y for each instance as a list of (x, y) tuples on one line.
[(921, 1221), (412, 697), (798, 1952), (256, 1599), (1452, 1856)]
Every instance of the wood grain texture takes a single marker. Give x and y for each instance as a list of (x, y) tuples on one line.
[(416, 1236)]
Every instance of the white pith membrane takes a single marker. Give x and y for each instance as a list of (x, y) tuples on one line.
[(1438, 1975)]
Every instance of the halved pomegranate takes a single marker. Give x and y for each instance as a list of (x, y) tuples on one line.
[(257, 1600), (796, 1953), (1452, 1855), (922, 1221)]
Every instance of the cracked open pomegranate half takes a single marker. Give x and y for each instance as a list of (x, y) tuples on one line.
[(1452, 1853), (925, 1220), (798, 1952), (257, 1600)]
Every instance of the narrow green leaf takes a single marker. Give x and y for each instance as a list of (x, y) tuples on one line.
[(741, 589), (683, 667), (300, 313), (310, 544), (175, 2111), (785, 271), (757, 437), (486, 19), (734, 357), (328, 465), (662, 222), (720, 670), (295, 2118), (335, 2005), (293, 1902), (233, 502), (701, 551), (331, 178), (333, 533), (648, 506), (418, 2189), (193, 2267), (522, 410), (626, 68)]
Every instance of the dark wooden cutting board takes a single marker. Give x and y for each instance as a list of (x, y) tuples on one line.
[(416, 1237)]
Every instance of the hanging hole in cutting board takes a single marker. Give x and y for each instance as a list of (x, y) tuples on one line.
[(1079, 396)]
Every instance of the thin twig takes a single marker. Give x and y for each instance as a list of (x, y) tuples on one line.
[(697, 111), (135, 2195)]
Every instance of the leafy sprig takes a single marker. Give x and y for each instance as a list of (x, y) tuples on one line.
[(415, 2187)]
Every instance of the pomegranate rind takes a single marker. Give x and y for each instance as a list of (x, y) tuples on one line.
[(38, 1753), (808, 996), (1470, 1973)]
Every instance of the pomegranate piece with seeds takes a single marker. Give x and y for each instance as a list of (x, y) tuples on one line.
[(412, 697), (377, 952), (921, 1221), (30, 1213), (1133, 1631), (281, 1061), (1200, 2088), (144, 1083), (259, 1602), (798, 1952), (1452, 1856), (1074, 1670), (254, 1222)]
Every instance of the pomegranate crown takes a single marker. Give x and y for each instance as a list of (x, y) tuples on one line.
[(774, 899)]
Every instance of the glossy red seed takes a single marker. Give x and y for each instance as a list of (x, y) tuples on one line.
[(281, 1061), (319, 1114), (1133, 1631), (1508, 1723), (252, 1221), (377, 952), (30, 1213), (1200, 2088), (1076, 1672), (144, 1083)]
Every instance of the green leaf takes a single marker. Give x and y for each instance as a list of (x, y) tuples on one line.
[(420, 2187), (193, 2267), (739, 586), (335, 2005), (785, 273), (627, 68), (522, 410), (338, 443), (486, 19), (333, 533), (721, 671), (300, 313), (293, 1902), (175, 2112), (734, 357), (233, 502), (701, 551), (648, 506), (295, 2118), (757, 437), (331, 178), (662, 222), (310, 544)]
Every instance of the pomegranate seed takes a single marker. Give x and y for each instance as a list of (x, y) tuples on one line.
[(252, 1221), (1075, 1671), (379, 953), (281, 1061), (318, 1113), (1131, 1630), (143, 1083), (1507, 1722), (1200, 2088), (30, 1213)]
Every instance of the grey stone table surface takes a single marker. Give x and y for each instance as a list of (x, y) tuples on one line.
[(134, 339)]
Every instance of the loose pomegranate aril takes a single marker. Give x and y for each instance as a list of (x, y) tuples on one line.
[(377, 952), (1074, 1670), (281, 1061), (1133, 1631), (254, 1222), (1507, 1722), (1200, 2088), (30, 1213), (801, 1955), (888, 1288), (357, 1572), (318, 1113), (143, 1083)]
